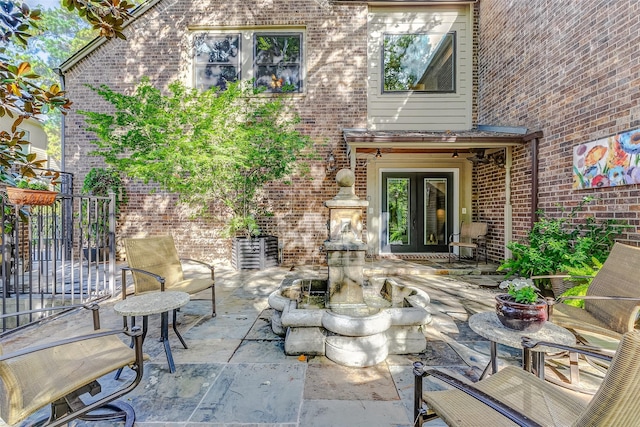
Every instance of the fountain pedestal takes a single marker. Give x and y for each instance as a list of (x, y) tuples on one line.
[(345, 249), (361, 322)]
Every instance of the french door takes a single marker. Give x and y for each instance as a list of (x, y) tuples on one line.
[(417, 211)]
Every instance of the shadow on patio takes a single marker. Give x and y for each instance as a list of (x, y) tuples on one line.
[(235, 372)]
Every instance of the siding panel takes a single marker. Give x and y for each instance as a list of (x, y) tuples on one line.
[(414, 110)]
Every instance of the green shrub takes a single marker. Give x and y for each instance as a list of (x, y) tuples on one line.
[(557, 245)]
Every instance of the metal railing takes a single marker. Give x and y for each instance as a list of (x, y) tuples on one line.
[(56, 255)]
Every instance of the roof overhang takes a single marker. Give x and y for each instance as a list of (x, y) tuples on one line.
[(99, 41), (487, 137)]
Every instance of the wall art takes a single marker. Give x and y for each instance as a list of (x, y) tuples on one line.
[(607, 162)]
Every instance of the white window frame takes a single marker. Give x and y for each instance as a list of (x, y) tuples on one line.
[(246, 69)]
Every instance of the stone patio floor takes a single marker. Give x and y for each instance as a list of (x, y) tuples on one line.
[(235, 372)]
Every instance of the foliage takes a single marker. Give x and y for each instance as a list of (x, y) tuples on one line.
[(522, 290), (33, 185), (22, 94), (101, 181), (582, 276), (558, 244), (398, 200), (206, 146)]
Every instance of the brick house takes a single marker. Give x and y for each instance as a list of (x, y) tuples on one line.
[(447, 111)]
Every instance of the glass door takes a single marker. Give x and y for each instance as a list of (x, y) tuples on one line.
[(417, 211)]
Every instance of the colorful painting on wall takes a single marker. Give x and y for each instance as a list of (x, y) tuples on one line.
[(607, 162)]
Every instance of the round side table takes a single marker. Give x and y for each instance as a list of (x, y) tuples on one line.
[(488, 326), (154, 303)]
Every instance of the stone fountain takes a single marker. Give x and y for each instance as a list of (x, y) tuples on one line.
[(350, 320)]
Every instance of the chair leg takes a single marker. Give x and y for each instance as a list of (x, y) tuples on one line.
[(418, 412), (115, 410), (213, 300)]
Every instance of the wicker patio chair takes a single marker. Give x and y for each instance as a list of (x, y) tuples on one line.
[(473, 235), (59, 373), (155, 266), (515, 397)]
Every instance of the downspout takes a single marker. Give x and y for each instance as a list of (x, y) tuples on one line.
[(62, 122)]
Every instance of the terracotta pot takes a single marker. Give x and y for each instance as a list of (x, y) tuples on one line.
[(24, 196), (521, 317)]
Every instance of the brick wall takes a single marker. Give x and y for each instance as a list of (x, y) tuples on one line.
[(157, 46), (570, 70)]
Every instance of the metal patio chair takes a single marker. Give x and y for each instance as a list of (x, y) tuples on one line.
[(473, 235), (611, 305), (515, 397), (612, 302), (59, 373), (155, 266)]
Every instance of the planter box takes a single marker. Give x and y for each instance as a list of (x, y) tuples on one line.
[(96, 254), (254, 253)]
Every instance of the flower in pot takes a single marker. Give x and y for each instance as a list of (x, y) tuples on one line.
[(521, 308)]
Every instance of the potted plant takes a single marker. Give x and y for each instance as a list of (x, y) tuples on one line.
[(555, 245), (212, 148), (521, 308), (100, 182)]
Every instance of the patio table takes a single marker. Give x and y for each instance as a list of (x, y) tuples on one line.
[(154, 303), (487, 325)]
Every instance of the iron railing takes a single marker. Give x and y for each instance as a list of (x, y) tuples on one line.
[(56, 255)]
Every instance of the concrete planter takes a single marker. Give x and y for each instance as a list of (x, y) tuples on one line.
[(254, 252)]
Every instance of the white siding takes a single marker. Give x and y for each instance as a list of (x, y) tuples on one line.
[(415, 110), (37, 137)]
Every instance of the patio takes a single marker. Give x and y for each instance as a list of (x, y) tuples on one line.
[(235, 372)]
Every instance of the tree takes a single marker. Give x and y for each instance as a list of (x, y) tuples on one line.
[(59, 33), (206, 146), (22, 93)]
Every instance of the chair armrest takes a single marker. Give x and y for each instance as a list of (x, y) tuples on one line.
[(160, 279), (598, 297), (209, 266), (595, 352), (496, 405), (135, 332), (93, 306)]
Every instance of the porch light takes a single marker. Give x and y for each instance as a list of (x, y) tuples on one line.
[(331, 163)]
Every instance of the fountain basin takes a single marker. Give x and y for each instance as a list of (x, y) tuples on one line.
[(389, 322)]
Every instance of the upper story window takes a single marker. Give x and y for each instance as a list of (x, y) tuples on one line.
[(217, 60), (277, 61), (273, 59), (419, 62)]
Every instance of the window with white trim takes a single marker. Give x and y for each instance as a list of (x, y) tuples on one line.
[(273, 59), (277, 61), (217, 60), (419, 62)]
